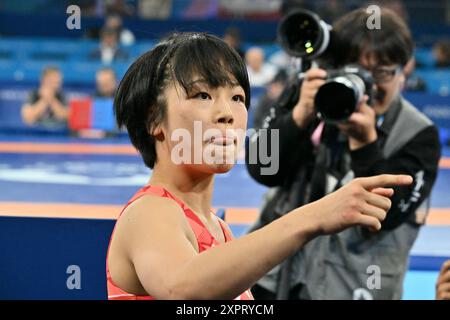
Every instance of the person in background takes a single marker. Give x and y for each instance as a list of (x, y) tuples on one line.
[(443, 282), (109, 50), (331, 10), (120, 7), (115, 22), (46, 105), (106, 83), (105, 88), (441, 53), (385, 135), (413, 82), (259, 72), (232, 37), (281, 60), (154, 9), (274, 90)]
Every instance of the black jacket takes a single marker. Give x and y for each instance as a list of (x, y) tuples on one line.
[(296, 152)]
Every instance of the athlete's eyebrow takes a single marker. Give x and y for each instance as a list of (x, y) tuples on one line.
[(198, 81)]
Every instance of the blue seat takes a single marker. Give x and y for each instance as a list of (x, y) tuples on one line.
[(437, 80), (9, 70), (64, 45), (120, 68), (140, 48), (424, 57), (84, 71), (80, 72)]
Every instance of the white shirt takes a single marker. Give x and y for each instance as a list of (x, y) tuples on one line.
[(263, 76)]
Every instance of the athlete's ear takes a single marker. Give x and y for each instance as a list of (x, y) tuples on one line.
[(156, 131)]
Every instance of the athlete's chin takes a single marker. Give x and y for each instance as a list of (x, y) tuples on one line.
[(217, 168), (210, 167), (222, 168), (220, 164)]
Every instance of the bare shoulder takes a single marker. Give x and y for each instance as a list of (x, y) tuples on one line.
[(148, 218), (150, 208), (150, 238)]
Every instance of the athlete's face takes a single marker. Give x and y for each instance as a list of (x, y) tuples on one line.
[(204, 129)]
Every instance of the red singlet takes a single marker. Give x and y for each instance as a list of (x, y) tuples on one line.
[(204, 238)]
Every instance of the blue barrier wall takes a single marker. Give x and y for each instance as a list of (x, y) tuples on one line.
[(36, 252)]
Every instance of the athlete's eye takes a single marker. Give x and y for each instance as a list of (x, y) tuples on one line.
[(202, 96), (239, 98)]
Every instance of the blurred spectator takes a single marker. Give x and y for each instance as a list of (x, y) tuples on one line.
[(46, 105), (91, 8), (441, 53), (126, 37), (331, 10), (288, 5), (120, 7), (105, 88), (106, 83), (443, 282), (281, 60), (201, 9), (232, 37), (259, 72), (395, 5), (413, 81), (155, 9), (260, 9), (268, 100), (109, 49)]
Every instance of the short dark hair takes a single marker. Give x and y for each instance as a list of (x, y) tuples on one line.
[(392, 43), (140, 104)]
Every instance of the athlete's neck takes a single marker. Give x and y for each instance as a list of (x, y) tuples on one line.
[(195, 190)]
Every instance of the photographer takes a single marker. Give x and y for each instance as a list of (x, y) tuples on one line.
[(387, 135)]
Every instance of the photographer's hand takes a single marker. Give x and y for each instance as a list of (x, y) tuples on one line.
[(443, 282), (303, 111), (360, 127)]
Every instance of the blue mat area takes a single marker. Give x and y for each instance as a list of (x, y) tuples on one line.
[(102, 179), (433, 241), (441, 190), (70, 177), (420, 285)]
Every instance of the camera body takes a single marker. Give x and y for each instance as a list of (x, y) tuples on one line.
[(303, 34), (342, 92)]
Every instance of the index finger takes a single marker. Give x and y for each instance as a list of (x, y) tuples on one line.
[(385, 180)]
